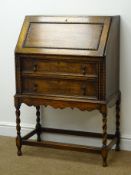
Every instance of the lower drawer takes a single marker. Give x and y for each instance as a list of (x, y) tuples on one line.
[(63, 87)]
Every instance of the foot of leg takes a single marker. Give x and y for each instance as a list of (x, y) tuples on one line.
[(104, 153), (19, 145)]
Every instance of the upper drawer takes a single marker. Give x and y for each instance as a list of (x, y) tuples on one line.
[(63, 67)]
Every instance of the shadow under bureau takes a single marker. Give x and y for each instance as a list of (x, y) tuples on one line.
[(68, 61)]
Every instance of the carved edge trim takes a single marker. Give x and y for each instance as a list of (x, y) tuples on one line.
[(61, 104)]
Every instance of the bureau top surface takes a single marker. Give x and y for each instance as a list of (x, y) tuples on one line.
[(64, 35)]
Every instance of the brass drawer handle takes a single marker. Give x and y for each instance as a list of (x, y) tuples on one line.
[(35, 87), (83, 69), (83, 88), (35, 67)]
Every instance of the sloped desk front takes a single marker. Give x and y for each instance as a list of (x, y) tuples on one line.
[(68, 62)]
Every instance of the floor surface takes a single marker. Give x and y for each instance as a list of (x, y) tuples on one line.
[(46, 161)]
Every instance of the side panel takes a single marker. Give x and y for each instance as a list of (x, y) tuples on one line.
[(17, 74), (112, 59), (102, 79)]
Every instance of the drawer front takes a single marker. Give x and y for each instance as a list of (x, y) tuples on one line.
[(39, 65), (60, 87)]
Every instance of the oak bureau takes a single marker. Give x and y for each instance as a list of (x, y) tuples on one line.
[(68, 61)]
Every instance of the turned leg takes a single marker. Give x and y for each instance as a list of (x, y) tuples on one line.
[(104, 150), (118, 124), (38, 125), (18, 128)]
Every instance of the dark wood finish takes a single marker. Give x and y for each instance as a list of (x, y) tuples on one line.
[(64, 146), (112, 143), (66, 87), (30, 134), (118, 123), (64, 35), (68, 132), (38, 125), (104, 147), (77, 133), (53, 39), (112, 59), (69, 62), (43, 66), (18, 128)]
